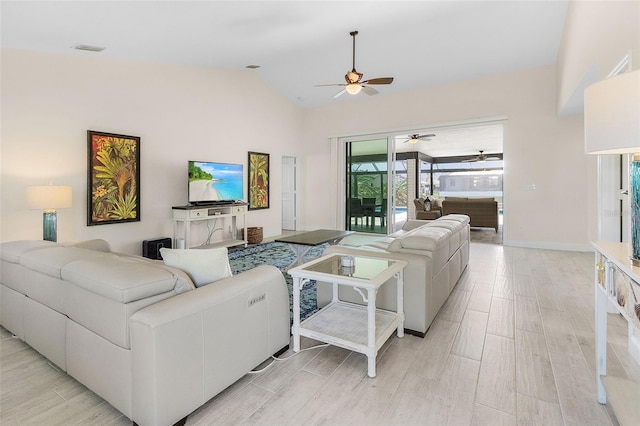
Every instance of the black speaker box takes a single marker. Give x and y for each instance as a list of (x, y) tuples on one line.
[(151, 248)]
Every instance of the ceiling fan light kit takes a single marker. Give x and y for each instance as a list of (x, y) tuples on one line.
[(353, 88), (353, 78)]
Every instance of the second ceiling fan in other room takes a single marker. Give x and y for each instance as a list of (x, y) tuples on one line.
[(482, 157), (415, 138), (353, 78)]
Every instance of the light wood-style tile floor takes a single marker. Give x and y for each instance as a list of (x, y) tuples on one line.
[(514, 344)]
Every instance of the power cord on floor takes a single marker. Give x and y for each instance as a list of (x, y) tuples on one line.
[(284, 359)]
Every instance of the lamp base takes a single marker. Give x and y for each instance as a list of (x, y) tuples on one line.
[(634, 261), (50, 226)]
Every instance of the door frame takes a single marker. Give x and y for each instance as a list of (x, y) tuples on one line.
[(296, 195), (342, 175)]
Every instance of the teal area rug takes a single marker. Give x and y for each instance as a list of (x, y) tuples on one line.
[(280, 256)]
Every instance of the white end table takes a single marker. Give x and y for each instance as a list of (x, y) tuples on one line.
[(360, 328)]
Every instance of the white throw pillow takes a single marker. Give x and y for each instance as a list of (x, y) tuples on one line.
[(204, 266)]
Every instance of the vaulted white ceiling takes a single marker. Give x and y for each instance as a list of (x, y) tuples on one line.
[(299, 44)]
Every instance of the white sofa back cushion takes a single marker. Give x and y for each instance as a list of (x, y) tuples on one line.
[(120, 278), (425, 238), (51, 260), (204, 266)]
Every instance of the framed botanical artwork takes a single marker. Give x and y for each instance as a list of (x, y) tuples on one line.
[(113, 178), (258, 181)]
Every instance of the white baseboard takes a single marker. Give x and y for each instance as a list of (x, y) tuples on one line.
[(548, 245)]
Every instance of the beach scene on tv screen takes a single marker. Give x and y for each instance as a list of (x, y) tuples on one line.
[(214, 181)]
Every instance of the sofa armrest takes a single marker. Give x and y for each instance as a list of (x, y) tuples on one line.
[(188, 348)]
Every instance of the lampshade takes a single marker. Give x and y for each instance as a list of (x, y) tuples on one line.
[(353, 88), (49, 197), (612, 115)]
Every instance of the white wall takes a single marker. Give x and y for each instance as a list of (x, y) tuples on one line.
[(181, 113), (596, 36), (541, 149)]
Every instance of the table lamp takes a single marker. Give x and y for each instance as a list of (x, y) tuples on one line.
[(48, 198), (612, 126)]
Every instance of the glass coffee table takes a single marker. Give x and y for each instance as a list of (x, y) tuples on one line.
[(360, 328), (301, 243)]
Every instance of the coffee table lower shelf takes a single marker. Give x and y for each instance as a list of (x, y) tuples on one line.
[(346, 325)]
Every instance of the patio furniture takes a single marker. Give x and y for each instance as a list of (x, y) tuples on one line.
[(355, 209), (427, 211), (483, 212), (380, 212)]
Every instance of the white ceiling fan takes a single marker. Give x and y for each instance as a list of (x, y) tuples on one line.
[(353, 78), (416, 137), (482, 157)]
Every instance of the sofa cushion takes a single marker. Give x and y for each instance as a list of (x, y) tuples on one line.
[(12, 250), (204, 266), (120, 278), (97, 245), (481, 200), (51, 260), (419, 204), (425, 238), (455, 237)]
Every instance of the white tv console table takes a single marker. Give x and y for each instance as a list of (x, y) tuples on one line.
[(185, 215)]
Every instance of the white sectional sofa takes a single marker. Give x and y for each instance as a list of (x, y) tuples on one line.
[(437, 252), (136, 332)]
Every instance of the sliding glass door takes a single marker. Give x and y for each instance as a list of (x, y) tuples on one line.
[(367, 194)]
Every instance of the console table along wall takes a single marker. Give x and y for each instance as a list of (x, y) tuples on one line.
[(185, 215), (617, 284)]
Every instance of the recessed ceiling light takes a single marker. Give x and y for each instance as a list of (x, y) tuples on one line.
[(88, 47), (252, 67)]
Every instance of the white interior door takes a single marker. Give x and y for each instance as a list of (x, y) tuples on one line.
[(289, 193), (613, 200)]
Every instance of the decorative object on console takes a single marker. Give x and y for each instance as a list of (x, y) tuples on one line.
[(48, 198), (258, 181), (113, 178), (612, 126)]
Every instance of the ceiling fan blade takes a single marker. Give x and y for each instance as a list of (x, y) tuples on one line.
[(430, 135), (369, 90), (325, 85), (470, 161), (340, 93), (381, 80)]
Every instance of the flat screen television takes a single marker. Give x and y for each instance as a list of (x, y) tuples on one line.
[(215, 183)]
